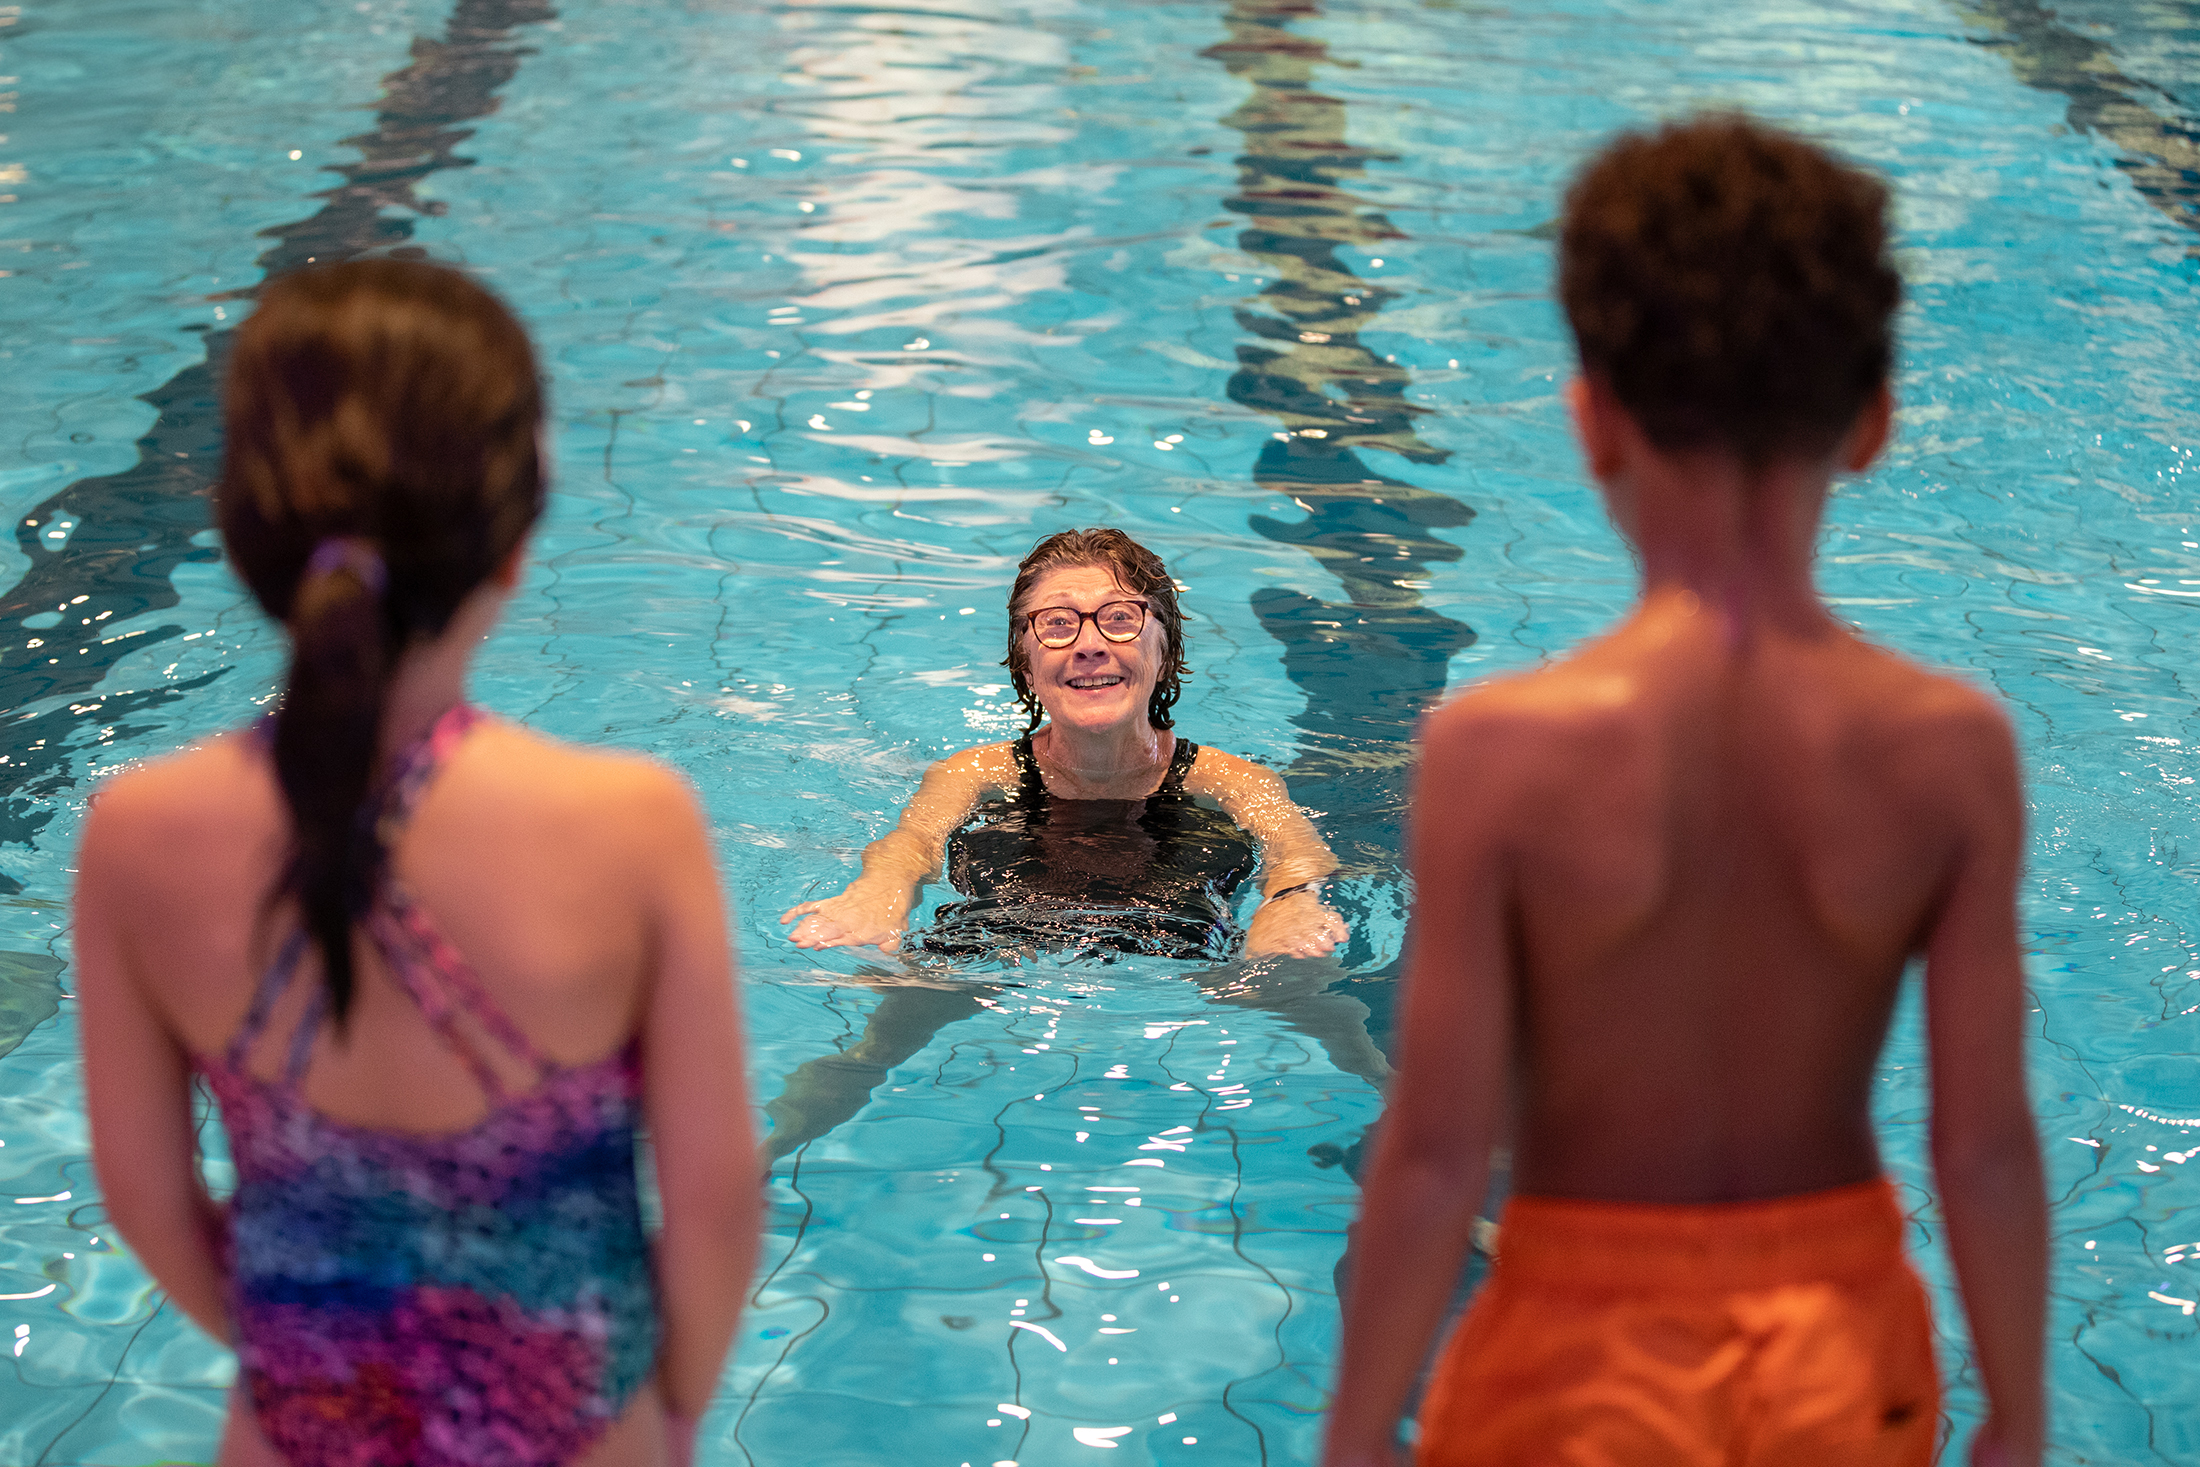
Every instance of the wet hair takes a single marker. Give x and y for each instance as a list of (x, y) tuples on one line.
[(1730, 284), (381, 461), (1138, 571)]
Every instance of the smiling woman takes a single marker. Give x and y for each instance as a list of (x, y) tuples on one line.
[(1102, 829)]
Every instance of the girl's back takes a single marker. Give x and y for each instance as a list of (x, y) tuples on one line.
[(545, 865), (439, 972)]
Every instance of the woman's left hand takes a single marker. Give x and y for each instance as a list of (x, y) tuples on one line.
[(1300, 925)]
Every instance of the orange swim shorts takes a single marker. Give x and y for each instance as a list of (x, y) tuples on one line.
[(1743, 1334)]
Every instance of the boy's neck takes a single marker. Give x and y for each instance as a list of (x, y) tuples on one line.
[(1739, 540)]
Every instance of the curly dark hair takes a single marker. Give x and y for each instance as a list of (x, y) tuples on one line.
[(1138, 571), (1730, 284)]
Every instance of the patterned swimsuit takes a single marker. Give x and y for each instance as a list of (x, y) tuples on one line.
[(481, 1297)]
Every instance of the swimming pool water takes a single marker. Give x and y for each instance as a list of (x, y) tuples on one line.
[(844, 306)]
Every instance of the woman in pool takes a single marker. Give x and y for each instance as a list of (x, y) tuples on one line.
[(436, 969), (1103, 828)]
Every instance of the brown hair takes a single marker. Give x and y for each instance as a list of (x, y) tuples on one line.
[(380, 463), (1730, 283), (1138, 571)]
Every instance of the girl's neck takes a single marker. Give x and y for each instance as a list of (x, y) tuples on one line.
[(431, 676), (429, 682)]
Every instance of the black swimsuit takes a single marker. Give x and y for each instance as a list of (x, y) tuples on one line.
[(1148, 876)]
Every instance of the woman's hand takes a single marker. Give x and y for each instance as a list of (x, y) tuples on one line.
[(863, 915), (1300, 925)]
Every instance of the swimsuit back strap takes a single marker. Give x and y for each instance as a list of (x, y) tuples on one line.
[(445, 985), (424, 961), (272, 983), (416, 769)]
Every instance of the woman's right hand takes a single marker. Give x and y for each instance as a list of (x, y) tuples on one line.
[(861, 916)]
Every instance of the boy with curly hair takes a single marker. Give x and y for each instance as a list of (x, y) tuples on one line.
[(1667, 887)]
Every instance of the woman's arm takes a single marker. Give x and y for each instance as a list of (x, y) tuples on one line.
[(137, 1080), (696, 1100), (873, 909), (1292, 854)]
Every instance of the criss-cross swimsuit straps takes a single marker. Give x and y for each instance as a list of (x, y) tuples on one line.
[(420, 957)]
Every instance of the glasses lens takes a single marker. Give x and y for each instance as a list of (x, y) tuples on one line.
[(1121, 620), (1056, 626)]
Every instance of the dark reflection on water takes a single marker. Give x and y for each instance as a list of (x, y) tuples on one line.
[(132, 529), (2160, 144), (1370, 662)]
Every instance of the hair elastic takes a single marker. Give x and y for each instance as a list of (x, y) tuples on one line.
[(355, 554)]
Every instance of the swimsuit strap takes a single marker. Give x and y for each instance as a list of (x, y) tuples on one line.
[(416, 767), (424, 961), (272, 983), (1180, 764), (1031, 785)]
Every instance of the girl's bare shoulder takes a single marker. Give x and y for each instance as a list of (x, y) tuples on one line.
[(207, 789), (539, 788)]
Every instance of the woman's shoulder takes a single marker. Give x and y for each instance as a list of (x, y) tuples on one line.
[(982, 765), (1214, 770)]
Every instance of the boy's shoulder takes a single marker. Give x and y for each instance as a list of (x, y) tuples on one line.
[(1591, 714), (1929, 718), (1538, 714)]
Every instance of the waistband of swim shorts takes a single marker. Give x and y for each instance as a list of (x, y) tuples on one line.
[(1637, 1247)]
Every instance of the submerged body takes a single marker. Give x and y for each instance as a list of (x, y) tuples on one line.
[(1153, 875)]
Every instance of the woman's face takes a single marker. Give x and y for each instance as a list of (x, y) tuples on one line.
[(1093, 684)]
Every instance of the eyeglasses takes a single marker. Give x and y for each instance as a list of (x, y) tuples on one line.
[(1058, 626)]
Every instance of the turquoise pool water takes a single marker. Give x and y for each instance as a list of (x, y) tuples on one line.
[(844, 306)]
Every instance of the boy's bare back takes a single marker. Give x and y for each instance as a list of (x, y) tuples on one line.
[(1665, 893), (1715, 856)]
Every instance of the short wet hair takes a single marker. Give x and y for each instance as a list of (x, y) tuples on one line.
[(1138, 571), (1730, 284)]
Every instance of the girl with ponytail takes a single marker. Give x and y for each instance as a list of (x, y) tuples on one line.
[(437, 970)]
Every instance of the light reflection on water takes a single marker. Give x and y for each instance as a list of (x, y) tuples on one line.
[(1081, 263)]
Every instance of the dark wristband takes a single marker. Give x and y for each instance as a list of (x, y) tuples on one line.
[(1315, 886)]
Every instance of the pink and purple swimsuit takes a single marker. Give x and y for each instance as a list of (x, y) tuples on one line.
[(482, 1297)]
